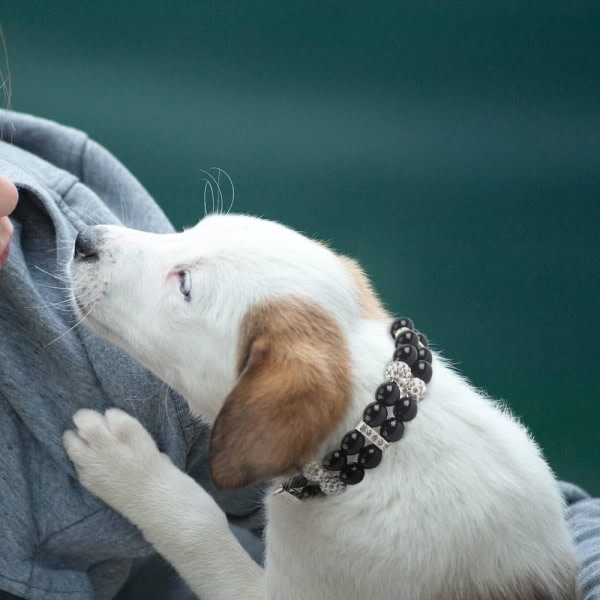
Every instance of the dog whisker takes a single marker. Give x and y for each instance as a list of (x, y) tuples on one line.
[(219, 194), (60, 246), (164, 414), (210, 180), (218, 198), (55, 287), (50, 306), (58, 304), (73, 327), (208, 184), (93, 217), (124, 214), (64, 278), (232, 189)]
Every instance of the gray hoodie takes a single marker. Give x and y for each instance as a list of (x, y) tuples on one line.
[(56, 540)]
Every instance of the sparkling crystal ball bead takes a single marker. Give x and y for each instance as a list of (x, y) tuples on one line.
[(352, 474), (374, 414), (335, 460), (405, 409), (313, 471), (332, 486), (397, 370), (406, 353), (415, 388), (392, 430), (387, 393), (400, 323), (370, 456), (352, 442)]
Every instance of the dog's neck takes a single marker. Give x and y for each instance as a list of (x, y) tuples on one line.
[(385, 397)]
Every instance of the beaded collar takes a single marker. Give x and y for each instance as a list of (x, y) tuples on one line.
[(395, 403)]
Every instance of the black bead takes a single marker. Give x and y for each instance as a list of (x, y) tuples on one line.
[(352, 474), (335, 460), (387, 393), (405, 409), (309, 491), (423, 339), (370, 456), (423, 371), (406, 353), (375, 414), (408, 337), (352, 442), (425, 354), (400, 323), (392, 430)]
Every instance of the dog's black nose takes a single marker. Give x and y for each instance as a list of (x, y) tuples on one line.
[(86, 244)]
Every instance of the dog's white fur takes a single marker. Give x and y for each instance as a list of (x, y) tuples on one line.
[(463, 507)]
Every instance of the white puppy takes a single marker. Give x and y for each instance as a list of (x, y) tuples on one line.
[(279, 344)]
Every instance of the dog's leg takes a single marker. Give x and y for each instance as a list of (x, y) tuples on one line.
[(118, 461)]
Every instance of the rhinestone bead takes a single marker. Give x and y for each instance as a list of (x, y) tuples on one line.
[(375, 414), (352, 442), (415, 388), (335, 460), (397, 370), (332, 486), (403, 383), (387, 393), (352, 474), (313, 471), (406, 353), (392, 430), (405, 409), (408, 337), (425, 354), (422, 369), (370, 456)]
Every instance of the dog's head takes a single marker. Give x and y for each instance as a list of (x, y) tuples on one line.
[(248, 319)]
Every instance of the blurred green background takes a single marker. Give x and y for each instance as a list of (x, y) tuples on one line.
[(454, 148)]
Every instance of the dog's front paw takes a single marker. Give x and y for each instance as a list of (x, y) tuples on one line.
[(115, 457)]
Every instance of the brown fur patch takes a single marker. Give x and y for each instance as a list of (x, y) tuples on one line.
[(294, 387), (370, 304)]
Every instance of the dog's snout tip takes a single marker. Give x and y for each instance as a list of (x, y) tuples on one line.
[(86, 244)]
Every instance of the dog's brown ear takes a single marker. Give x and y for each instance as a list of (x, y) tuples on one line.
[(294, 387)]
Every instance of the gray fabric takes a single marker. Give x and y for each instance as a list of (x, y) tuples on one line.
[(583, 519), (56, 540)]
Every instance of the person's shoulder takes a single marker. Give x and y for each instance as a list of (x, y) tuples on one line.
[(56, 144)]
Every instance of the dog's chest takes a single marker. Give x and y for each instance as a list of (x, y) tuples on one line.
[(334, 548)]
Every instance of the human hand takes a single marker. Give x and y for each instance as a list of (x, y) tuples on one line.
[(8, 201)]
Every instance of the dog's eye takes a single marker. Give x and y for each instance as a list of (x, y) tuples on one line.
[(185, 284)]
